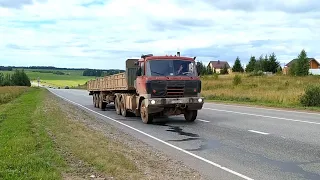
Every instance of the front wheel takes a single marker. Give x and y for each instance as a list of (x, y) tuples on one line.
[(190, 115), (145, 116)]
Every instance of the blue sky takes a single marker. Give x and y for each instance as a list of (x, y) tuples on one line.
[(104, 33)]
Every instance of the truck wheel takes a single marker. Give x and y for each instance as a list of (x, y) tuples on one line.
[(94, 100), (117, 106), (123, 108), (145, 116), (102, 105), (190, 115)]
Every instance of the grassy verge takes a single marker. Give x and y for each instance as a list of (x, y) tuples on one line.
[(41, 141), (8, 93), (272, 91), (26, 151)]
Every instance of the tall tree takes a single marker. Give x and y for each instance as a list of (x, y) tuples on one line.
[(237, 67), (209, 70), (273, 63), (251, 65), (224, 70), (302, 64)]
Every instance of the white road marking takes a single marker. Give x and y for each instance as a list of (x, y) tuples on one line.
[(157, 139), (203, 120), (259, 132), (261, 108), (258, 115)]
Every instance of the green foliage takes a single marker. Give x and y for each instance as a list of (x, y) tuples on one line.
[(215, 76), (273, 64), (311, 96), (251, 65), (264, 64), (237, 80), (209, 70), (224, 70), (18, 78), (202, 69), (301, 65), (92, 72), (237, 67), (256, 73)]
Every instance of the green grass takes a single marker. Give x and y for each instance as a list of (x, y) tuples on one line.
[(276, 91), (8, 93), (39, 140), (26, 151), (72, 78)]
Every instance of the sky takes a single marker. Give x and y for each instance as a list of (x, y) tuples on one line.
[(102, 34)]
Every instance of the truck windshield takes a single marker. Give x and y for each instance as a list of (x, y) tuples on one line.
[(171, 68)]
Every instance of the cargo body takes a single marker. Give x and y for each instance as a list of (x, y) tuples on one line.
[(150, 87)]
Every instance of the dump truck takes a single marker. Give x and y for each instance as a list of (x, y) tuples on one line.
[(151, 86)]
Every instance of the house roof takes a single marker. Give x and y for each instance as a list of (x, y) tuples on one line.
[(219, 64), (310, 59)]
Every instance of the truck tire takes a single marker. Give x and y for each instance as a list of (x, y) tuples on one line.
[(95, 100), (145, 116), (190, 115), (117, 105), (123, 108), (102, 105)]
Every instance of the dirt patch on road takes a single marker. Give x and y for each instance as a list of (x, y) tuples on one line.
[(94, 147)]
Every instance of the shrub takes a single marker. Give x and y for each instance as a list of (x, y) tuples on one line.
[(237, 80), (311, 96), (256, 73), (215, 76)]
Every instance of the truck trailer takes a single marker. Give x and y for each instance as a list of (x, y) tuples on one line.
[(151, 86)]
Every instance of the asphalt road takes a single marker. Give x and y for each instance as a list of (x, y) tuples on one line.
[(228, 142)]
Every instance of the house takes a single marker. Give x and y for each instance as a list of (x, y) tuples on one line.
[(314, 66), (218, 65)]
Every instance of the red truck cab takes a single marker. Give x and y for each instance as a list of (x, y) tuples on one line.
[(169, 85)]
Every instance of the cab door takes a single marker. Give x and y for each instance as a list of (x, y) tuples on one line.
[(141, 79)]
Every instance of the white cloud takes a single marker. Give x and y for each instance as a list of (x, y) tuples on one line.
[(98, 34)]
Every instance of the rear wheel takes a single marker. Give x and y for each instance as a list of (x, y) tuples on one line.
[(117, 105), (190, 115), (123, 107), (145, 116), (102, 105), (94, 100)]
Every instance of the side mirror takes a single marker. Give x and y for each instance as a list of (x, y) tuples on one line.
[(138, 73)]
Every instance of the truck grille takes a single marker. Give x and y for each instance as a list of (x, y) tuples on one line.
[(175, 91)]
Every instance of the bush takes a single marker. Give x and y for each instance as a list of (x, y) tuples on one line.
[(237, 80), (215, 76), (311, 96), (18, 78), (256, 73)]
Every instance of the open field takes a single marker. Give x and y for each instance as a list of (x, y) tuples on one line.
[(72, 78), (277, 90), (9, 93), (46, 138)]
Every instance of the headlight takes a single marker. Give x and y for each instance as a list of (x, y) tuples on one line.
[(200, 100), (153, 101)]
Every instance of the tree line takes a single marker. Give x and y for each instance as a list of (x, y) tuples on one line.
[(265, 63), (100, 73), (18, 78)]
